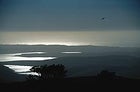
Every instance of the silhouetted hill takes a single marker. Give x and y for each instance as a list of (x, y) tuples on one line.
[(7, 75), (75, 84)]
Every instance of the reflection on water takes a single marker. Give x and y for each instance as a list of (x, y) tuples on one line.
[(20, 69), (71, 52), (27, 53), (17, 57), (29, 73)]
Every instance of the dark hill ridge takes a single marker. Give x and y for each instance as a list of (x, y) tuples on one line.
[(8, 75), (75, 84)]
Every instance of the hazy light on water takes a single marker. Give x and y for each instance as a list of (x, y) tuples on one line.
[(20, 69), (18, 58), (29, 73), (71, 52), (28, 53), (51, 43), (14, 57)]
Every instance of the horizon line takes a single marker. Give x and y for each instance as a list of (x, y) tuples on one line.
[(67, 45)]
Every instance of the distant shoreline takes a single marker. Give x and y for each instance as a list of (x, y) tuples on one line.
[(68, 45)]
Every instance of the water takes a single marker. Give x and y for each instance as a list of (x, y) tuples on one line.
[(17, 57), (78, 61), (21, 69), (71, 52)]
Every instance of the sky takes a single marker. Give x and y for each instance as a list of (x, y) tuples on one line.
[(58, 19), (65, 15)]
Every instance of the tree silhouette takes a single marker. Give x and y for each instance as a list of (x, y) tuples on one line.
[(32, 77), (51, 71), (106, 75)]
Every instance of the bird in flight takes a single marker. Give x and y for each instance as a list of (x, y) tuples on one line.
[(102, 18)]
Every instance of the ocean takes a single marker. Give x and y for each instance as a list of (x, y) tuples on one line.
[(78, 60)]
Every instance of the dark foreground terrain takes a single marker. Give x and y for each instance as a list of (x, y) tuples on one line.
[(79, 84)]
